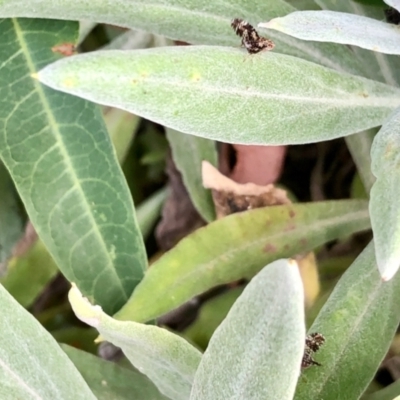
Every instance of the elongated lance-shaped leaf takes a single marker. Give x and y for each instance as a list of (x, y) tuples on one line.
[(32, 365), (256, 352), (358, 321), (194, 22), (167, 359), (384, 207), (188, 152), (377, 66), (336, 27), (59, 155), (239, 246), (267, 99), (109, 381)]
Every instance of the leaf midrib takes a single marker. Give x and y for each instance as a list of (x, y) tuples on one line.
[(58, 137)]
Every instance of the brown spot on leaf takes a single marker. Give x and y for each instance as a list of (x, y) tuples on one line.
[(290, 227), (292, 214), (270, 248), (66, 49)]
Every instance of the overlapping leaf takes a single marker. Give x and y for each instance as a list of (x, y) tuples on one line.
[(267, 99), (167, 359), (109, 381), (358, 321), (194, 22), (61, 159), (32, 365), (256, 352), (239, 246), (384, 207), (336, 27)]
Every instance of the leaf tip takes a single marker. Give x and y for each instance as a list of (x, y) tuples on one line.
[(83, 309), (389, 270), (99, 339), (293, 263), (271, 24)]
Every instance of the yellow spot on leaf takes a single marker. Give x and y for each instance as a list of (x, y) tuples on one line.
[(195, 76), (69, 82)]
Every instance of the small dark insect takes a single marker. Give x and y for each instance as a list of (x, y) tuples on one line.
[(251, 40), (308, 360), (313, 343), (392, 16)]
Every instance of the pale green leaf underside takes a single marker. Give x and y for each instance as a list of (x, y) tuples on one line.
[(337, 27), (384, 206), (358, 321), (193, 21), (32, 365), (239, 246), (60, 157), (377, 66), (167, 359), (256, 352), (268, 98)]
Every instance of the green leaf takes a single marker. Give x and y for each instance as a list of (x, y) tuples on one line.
[(81, 337), (274, 99), (391, 392), (59, 155), (11, 219), (188, 153), (359, 146), (358, 321), (122, 127), (29, 274), (85, 27), (337, 27), (192, 22), (109, 381), (376, 66), (256, 352), (384, 207), (149, 211), (32, 364), (167, 359), (239, 246)]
